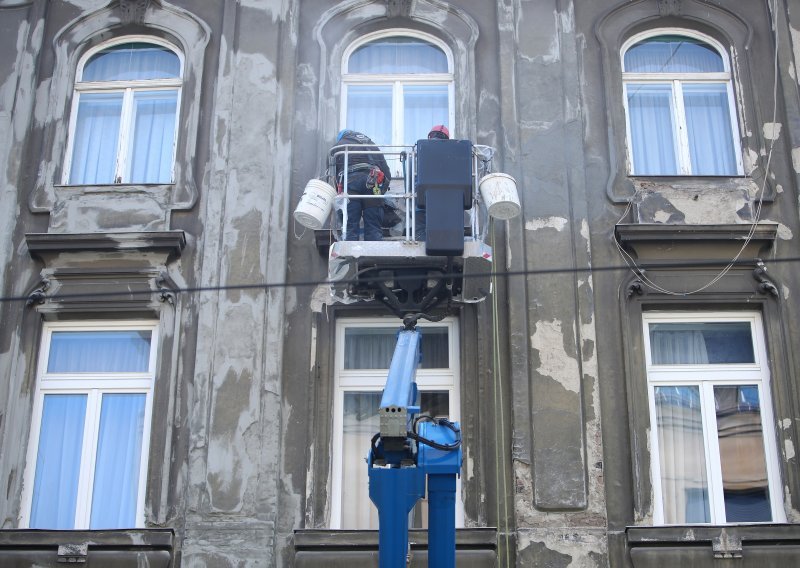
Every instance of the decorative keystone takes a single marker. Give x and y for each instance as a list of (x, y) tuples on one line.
[(73, 553), (727, 546)]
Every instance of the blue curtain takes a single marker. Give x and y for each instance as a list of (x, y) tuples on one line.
[(58, 462), (119, 452), (708, 123), (153, 136), (132, 61), (94, 148), (99, 352), (652, 142)]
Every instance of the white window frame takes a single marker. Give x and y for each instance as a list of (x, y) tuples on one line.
[(398, 80), (93, 385), (128, 88), (374, 380), (706, 377), (677, 80)]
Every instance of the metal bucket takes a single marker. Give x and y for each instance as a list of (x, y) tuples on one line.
[(315, 204), (499, 193)]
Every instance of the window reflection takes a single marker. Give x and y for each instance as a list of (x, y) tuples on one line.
[(742, 455)]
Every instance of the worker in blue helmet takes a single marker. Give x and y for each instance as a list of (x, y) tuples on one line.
[(368, 174)]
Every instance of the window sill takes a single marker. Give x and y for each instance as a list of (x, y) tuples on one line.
[(123, 547), (767, 544), (475, 547)]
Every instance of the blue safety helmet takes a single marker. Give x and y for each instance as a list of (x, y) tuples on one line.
[(341, 133)]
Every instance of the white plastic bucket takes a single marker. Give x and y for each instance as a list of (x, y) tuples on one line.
[(499, 192), (315, 204)]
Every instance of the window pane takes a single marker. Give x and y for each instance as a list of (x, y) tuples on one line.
[(132, 61), (94, 151), (360, 422), (652, 129), (58, 462), (99, 351), (373, 347), (742, 455), (369, 110), (672, 54), (701, 343), (424, 106), (153, 136), (708, 123), (684, 484), (119, 452), (398, 55)]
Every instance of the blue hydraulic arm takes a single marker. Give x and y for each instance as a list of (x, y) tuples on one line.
[(409, 449)]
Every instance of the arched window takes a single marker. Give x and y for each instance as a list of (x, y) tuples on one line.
[(124, 114), (679, 106), (396, 87)]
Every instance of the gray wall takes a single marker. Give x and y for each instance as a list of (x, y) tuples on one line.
[(240, 451)]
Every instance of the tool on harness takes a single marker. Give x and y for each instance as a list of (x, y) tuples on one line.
[(375, 180)]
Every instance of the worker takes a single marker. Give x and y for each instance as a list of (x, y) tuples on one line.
[(367, 174), (438, 132)]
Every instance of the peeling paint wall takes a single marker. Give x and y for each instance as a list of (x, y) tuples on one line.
[(555, 410)]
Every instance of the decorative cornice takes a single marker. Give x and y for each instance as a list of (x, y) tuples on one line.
[(640, 232), (171, 242)]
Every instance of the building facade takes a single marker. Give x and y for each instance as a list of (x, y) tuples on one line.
[(179, 388)]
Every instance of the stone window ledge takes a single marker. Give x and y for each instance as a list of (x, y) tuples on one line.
[(109, 548)]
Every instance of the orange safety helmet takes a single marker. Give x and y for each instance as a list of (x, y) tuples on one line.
[(439, 131)]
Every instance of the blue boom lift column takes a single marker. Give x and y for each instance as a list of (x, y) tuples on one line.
[(409, 449)]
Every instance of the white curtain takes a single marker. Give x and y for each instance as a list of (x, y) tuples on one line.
[(96, 136), (369, 111), (672, 54), (708, 123), (119, 453), (679, 419), (398, 55), (153, 136), (360, 422), (58, 462), (652, 143), (684, 484), (132, 61), (372, 348), (99, 351), (425, 106)]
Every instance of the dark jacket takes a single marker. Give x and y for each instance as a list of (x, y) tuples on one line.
[(359, 165)]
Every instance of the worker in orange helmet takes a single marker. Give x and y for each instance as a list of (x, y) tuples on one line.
[(438, 132)]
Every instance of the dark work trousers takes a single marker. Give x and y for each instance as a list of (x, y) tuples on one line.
[(370, 209)]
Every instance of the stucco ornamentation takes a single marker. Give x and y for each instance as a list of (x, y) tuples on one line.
[(38, 296), (669, 7), (765, 284), (133, 10)]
